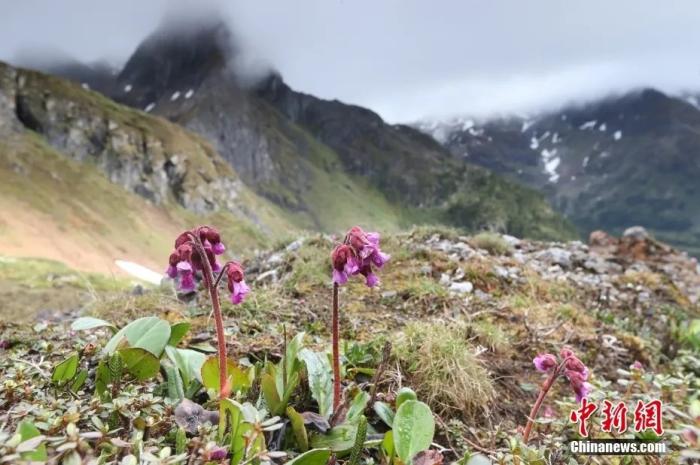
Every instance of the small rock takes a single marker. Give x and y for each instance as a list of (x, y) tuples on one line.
[(464, 287), (295, 245), (275, 259), (389, 294), (636, 232), (190, 415), (444, 279), (482, 296), (512, 241), (426, 269), (137, 290), (556, 256)]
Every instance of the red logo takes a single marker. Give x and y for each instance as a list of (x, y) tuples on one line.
[(646, 416)]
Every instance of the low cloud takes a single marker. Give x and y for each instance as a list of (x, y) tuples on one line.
[(406, 59)]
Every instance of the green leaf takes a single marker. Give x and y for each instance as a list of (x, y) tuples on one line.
[(177, 332), (384, 411), (404, 394), (28, 431), (79, 380), (357, 407), (103, 377), (239, 378), (413, 428), (66, 370), (189, 362), (175, 390), (388, 445), (291, 360), (312, 457), (140, 363), (319, 370), (149, 333), (88, 322), (356, 451), (269, 390), (338, 439), (298, 428)]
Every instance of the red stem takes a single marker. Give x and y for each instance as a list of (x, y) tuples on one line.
[(218, 319), (336, 350), (540, 398)]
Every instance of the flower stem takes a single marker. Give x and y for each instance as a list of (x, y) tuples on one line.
[(540, 398), (336, 350), (218, 319)]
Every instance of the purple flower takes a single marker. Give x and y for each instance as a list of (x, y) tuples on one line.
[(637, 365), (579, 385), (236, 282), (344, 263), (187, 283), (545, 362), (357, 255)]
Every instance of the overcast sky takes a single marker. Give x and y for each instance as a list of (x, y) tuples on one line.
[(409, 59)]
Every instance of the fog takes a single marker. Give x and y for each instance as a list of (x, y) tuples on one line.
[(405, 59)]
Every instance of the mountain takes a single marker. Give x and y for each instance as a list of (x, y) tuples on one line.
[(630, 159), (85, 180), (326, 161), (181, 135)]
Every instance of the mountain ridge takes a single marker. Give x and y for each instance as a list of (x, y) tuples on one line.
[(623, 160)]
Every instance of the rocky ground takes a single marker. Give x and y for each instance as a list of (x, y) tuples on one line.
[(464, 317)]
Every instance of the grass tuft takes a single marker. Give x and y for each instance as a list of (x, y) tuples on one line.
[(444, 370)]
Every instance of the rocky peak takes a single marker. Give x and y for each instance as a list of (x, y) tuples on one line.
[(179, 56)]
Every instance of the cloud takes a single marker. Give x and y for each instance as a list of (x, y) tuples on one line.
[(408, 58)]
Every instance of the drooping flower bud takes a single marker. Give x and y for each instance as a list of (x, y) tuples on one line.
[(545, 362), (236, 282), (578, 384), (344, 263)]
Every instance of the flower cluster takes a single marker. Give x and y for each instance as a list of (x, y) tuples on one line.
[(358, 253), (185, 262), (574, 370)]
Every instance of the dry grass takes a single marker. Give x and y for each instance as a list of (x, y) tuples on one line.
[(444, 370)]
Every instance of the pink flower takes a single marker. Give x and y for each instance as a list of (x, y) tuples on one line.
[(637, 365), (357, 255), (579, 385), (344, 263), (545, 362), (184, 263), (236, 283)]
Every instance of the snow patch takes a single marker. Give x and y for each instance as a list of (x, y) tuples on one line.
[(139, 271), (551, 163), (150, 107), (189, 93), (127, 88), (617, 135), (526, 125), (693, 101), (586, 159), (603, 127), (555, 138), (85, 86), (468, 124), (175, 96), (534, 143), (588, 125)]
